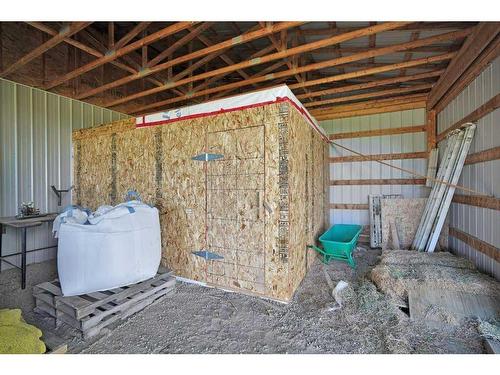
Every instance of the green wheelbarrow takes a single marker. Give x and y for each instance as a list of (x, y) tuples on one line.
[(338, 243)]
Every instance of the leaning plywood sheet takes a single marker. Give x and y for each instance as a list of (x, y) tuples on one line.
[(405, 214)]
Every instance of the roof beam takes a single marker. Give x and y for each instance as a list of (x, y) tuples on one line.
[(412, 26), (321, 65), (240, 39), (274, 56), (116, 53), (371, 107), (340, 77), (483, 34), (132, 66), (139, 28), (489, 54), (425, 49), (65, 32), (371, 84), (280, 46), (381, 69), (193, 33), (374, 94), (91, 51)]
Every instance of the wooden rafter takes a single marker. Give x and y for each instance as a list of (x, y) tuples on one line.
[(373, 94), (336, 78), (483, 34), (316, 66), (355, 49), (223, 56), (65, 32), (139, 28), (489, 54), (116, 53), (240, 39), (371, 107), (381, 69), (412, 26), (372, 84), (294, 51), (193, 33), (131, 66), (281, 45)]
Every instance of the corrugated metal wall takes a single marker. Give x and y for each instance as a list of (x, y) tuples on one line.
[(35, 152), (396, 143), (482, 223)]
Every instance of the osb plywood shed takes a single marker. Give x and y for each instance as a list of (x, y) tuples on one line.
[(256, 207)]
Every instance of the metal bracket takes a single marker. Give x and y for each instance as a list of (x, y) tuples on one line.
[(59, 193), (208, 255), (207, 157)]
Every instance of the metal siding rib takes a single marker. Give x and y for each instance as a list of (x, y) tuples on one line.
[(35, 152), (410, 142), (480, 222)]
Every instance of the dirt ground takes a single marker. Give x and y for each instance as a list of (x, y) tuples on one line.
[(196, 319)]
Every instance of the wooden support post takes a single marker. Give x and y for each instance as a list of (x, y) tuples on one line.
[(431, 130)]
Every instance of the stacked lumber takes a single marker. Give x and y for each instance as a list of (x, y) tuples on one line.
[(90, 313)]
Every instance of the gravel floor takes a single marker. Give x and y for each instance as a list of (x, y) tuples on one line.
[(196, 319)]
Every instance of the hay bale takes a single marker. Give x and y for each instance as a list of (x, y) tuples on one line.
[(402, 270)]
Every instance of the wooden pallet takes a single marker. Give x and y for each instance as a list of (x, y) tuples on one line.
[(89, 313)]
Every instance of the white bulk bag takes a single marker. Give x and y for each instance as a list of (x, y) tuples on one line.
[(118, 247)]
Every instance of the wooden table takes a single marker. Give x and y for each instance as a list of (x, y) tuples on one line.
[(22, 225)]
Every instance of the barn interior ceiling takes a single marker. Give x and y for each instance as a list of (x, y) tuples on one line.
[(143, 67)]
